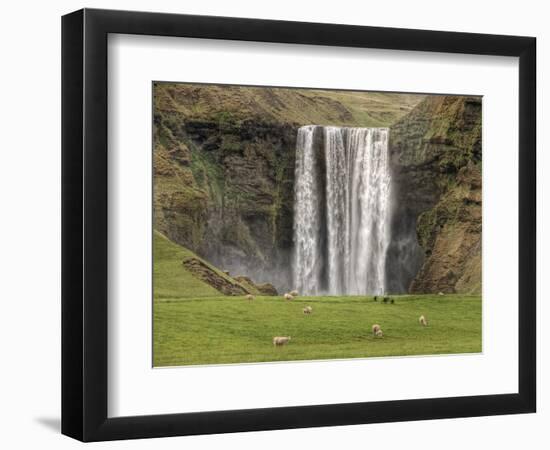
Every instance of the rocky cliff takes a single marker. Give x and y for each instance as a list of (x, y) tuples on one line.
[(224, 178), (436, 164), (224, 167), (225, 190)]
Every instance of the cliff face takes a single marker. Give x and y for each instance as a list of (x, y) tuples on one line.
[(436, 163), (228, 193), (224, 167), (224, 178)]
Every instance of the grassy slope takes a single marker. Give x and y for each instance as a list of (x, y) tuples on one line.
[(172, 279), (233, 330), (283, 105)]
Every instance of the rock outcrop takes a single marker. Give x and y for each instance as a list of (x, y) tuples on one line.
[(436, 162), (205, 273), (267, 289)]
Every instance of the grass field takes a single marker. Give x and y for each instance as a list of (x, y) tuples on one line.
[(195, 324), (218, 330)]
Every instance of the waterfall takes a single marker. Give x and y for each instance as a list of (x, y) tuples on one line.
[(307, 218), (341, 210)]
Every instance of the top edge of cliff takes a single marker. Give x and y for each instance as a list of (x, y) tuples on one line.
[(291, 106), (344, 127)]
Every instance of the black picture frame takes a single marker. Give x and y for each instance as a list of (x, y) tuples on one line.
[(84, 224)]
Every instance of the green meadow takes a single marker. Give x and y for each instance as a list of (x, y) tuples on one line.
[(194, 324), (219, 330)]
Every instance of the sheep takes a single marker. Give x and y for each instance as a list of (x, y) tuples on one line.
[(280, 340), (294, 293), (441, 293), (288, 296), (249, 297), (422, 321), (386, 299), (308, 310), (375, 298), (375, 329), (392, 301), (379, 334)]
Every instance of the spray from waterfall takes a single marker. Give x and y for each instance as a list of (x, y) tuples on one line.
[(341, 210)]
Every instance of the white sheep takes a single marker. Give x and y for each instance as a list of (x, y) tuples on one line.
[(294, 293), (441, 293), (249, 297), (422, 321), (375, 329), (280, 340), (308, 310), (288, 296)]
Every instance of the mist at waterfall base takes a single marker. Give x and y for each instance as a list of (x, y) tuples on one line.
[(342, 211)]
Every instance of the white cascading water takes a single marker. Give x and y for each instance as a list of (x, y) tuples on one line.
[(341, 210), (307, 218)]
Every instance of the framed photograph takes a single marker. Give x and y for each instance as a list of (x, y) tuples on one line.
[(273, 224)]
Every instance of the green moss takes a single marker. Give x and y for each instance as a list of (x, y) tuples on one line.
[(278, 199), (179, 202), (425, 227), (231, 144), (226, 120), (208, 175)]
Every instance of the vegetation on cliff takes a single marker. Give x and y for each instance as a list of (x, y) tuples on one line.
[(436, 156), (224, 177), (224, 166), (236, 105)]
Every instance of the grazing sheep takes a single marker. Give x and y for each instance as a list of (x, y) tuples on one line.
[(422, 321), (308, 310), (250, 297), (375, 329), (441, 293), (294, 293), (288, 296), (379, 334), (280, 340)]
